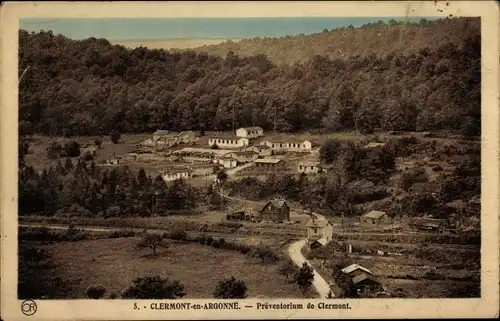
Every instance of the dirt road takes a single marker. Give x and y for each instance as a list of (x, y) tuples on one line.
[(294, 251)]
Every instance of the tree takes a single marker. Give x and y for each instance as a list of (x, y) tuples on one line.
[(151, 241), (222, 176), (304, 278), (98, 142), (96, 292), (71, 149), (287, 269), (154, 287), (115, 136), (329, 151), (230, 289), (54, 150)]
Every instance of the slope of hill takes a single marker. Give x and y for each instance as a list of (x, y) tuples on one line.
[(90, 87), (376, 38)]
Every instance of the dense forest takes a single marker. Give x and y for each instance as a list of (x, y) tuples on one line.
[(91, 87), (379, 38)]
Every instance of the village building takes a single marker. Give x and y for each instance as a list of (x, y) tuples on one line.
[(244, 156), (176, 173), (310, 167), (242, 216), (289, 146), (228, 162), (201, 154), (113, 161), (204, 169), (250, 132), (319, 232), (366, 284), (163, 139), (275, 211), (261, 150), (374, 145), (270, 164), (228, 141), (376, 218), (429, 224), (354, 270)]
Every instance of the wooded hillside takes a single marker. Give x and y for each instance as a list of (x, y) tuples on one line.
[(91, 87), (378, 38)]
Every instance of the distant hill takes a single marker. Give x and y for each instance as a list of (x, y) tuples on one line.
[(379, 38), (168, 44)]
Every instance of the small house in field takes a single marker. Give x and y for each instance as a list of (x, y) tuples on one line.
[(250, 132), (269, 164), (243, 157), (229, 141), (160, 133), (236, 216), (289, 145), (354, 270), (176, 173), (275, 211), (319, 232), (310, 167), (376, 218), (228, 162), (367, 284), (429, 224)]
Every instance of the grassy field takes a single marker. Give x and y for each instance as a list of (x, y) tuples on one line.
[(115, 263)]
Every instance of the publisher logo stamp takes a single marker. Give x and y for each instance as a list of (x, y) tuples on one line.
[(28, 307)]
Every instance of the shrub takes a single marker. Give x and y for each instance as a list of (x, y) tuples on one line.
[(54, 150), (154, 288), (96, 292), (115, 136), (230, 289), (121, 233), (210, 240), (178, 235)]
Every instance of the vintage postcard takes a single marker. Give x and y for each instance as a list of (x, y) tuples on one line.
[(249, 160)]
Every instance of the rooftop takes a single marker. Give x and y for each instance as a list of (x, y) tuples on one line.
[(309, 163), (314, 222), (245, 152), (354, 267), (252, 128), (174, 170), (374, 214), (227, 137), (364, 276), (161, 132), (321, 241), (268, 161)]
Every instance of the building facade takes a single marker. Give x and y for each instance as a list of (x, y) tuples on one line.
[(173, 174), (250, 132), (270, 164), (310, 167), (228, 141), (376, 218), (319, 231), (275, 211), (289, 146)]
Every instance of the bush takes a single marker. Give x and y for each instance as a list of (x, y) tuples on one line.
[(54, 150), (96, 292), (71, 149), (178, 235), (154, 288), (416, 175), (121, 233), (115, 136), (230, 289), (210, 240)]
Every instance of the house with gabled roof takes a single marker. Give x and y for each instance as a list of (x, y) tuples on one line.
[(275, 211), (355, 270), (228, 141), (289, 145), (250, 132), (376, 218), (319, 232)]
